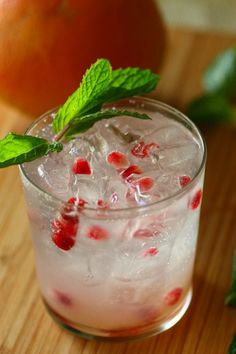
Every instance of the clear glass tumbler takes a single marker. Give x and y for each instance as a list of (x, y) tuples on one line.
[(138, 281)]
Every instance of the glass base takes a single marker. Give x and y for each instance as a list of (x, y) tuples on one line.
[(129, 334)]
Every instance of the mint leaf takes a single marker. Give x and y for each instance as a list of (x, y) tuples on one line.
[(130, 82), (85, 98), (102, 85), (220, 77), (81, 124), (230, 298), (232, 348), (210, 109), (16, 149)]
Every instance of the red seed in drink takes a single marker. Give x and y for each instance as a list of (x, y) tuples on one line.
[(173, 296), (137, 150), (117, 159), (144, 184), (69, 229), (149, 148), (98, 233), (102, 204), (62, 241), (63, 298), (152, 251), (184, 180), (79, 202), (195, 201), (133, 169), (81, 167), (142, 150)]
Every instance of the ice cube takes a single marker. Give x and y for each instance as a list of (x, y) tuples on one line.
[(179, 157), (54, 176), (176, 156), (86, 188), (166, 134)]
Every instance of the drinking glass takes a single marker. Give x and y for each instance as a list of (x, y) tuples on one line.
[(133, 277)]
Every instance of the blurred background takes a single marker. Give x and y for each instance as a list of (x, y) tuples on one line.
[(215, 15), (40, 65)]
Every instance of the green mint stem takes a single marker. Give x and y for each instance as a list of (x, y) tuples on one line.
[(62, 133)]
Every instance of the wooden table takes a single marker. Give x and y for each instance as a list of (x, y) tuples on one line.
[(208, 326)]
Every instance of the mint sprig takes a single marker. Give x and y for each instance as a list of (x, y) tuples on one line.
[(16, 149), (101, 85), (82, 110), (230, 298)]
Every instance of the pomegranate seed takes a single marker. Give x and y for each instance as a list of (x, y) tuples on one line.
[(82, 202), (62, 241), (152, 251), (148, 147), (81, 167), (70, 228), (184, 180), (64, 227), (140, 233), (117, 159), (144, 184), (133, 169), (196, 200), (70, 216), (68, 207), (173, 296), (142, 150), (137, 150), (101, 203), (72, 201), (77, 201), (97, 233), (63, 298), (69, 212)]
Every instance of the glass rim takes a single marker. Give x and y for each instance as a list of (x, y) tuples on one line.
[(139, 208)]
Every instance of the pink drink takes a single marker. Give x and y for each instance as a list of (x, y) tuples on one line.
[(116, 261)]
